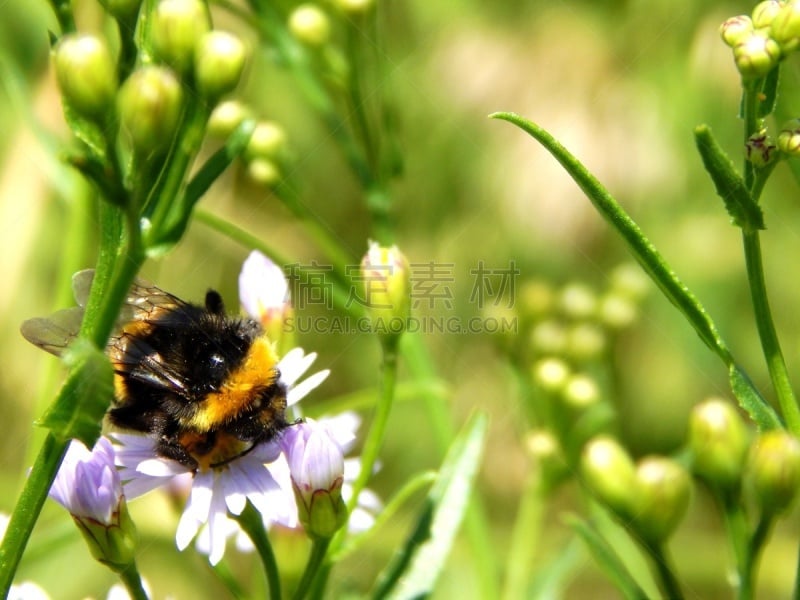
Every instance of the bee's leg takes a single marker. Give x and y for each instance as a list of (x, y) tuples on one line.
[(170, 447)]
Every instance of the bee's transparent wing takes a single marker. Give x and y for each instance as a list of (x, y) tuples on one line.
[(54, 333), (81, 284)]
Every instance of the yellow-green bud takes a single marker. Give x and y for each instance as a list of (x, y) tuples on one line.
[(263, 171), (150, 108), (581, 392), (578, 301), (535, 299), (610, 473), (617, 311), (785, 26), (760, 149), (385, 273), (310, 25), (664, 494), (773, 470), (765, 12), (546, 453), (122, 10), (226, 117), (629, 280), (114, 543), (735, 29), (549, 337), (86, 75), (551, 374), (756, 55), (789, 138), (355, 7), (218, 63), (718, 441), (585, 341), (267, 141), (176, 28)]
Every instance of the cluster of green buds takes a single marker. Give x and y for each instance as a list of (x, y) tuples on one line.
[(651, 496), (730, 460), (760, 40)]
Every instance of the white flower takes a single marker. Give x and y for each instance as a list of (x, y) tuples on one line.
[(223, 489), (263, 289)]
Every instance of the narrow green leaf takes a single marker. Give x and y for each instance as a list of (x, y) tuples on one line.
[(608, 560), (751, 401), (417, 565), (643, 250), (87, 132), (79, 408), (730, 186)]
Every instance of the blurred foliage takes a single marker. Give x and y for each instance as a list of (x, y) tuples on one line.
[(620, 83)]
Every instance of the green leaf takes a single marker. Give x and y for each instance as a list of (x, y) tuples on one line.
[(416, 566), (751, 401), (78, 410), (644, 251), (730, 186), (86, 131), (770, 92), (608, 560)]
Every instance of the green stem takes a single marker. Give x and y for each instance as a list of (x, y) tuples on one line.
[(524, 539), (253, 526), (766, 331), (316, 559), (133, 582), (27, 509), (737, 531), (666, 575), (756, 544)]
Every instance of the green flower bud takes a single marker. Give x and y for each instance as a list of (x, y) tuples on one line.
[(385, 274), (610, 473), (122, 10), (551, 374), (718, 441), (535, 299), (218, 63), (789, 138), (547, 456), (578, 301), (765, 12), (176, 28), (760, 149), (263, 171), (310, 25), (630, 281), (616, 311), (785, 26), (150, 108), (226, 117), (86, 75), (355, 7), (773, 470), (585, 341), (664, 494), (549, 337), (267, 141), (756, 55), (735, 29), (581, 392)]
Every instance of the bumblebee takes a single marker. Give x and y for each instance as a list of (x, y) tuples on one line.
[(205, 385)]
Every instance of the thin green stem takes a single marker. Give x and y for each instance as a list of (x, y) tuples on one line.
[(666, 575), (737, 531), (27, 509), (754, 548), (524, 538), (316, 559), (133, 582), (766, 331), (253, 526)]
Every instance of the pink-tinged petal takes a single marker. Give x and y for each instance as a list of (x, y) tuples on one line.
[(262, 286)]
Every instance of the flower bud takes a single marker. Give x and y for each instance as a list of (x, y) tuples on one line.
[(735, 29), (263, 172), (535, 299), (551, 374), (630, 281), (760, 149), (316, 465), (581, 392), (355, 7), (610, 473), (150, 108), (549, 337), (86, 75), (585, 341), (122, 10), (789, 138), (218, 63), (756, 55), (546, 453), (578, 301), (310, 25), (268, 140), (176, 28), (785, 26), (773, 470), (88, 485), (764, 13), (664, 493), (616, 311), (718, 442), (226, 117), (385, 274)]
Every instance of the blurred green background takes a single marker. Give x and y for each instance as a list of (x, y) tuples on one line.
[(620, 83)]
